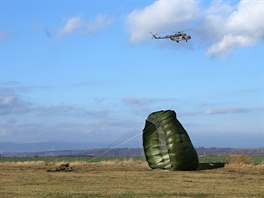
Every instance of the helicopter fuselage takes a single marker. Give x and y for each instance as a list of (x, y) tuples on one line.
[(174, 37), (178, 38)]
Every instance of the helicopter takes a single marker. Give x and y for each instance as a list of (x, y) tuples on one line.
[(179, 36)]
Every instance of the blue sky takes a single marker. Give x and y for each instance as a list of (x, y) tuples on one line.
[(88, 71)]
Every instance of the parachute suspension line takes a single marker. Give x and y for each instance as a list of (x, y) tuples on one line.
[(113, 147), (123, 139)]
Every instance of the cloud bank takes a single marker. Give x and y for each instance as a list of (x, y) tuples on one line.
[(27, 121), (11, 103), (221, 26)]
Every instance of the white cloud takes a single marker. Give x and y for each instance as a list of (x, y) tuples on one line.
[(144, 101), (211, 111), (243, 27), (77, 24), (12, 104), (228, 43), (7, 100), (71, 25), (222, 27)]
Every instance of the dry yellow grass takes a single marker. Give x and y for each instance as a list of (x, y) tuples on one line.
[(127, 179), (241, 161)]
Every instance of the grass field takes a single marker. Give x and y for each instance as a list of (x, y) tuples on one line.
[(241, 177)]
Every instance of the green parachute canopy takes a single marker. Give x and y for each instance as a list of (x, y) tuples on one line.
[(167, 144)]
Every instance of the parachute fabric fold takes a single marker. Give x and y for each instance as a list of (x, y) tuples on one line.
[(167, 144)]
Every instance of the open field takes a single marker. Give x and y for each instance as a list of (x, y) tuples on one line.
[(254, 159), (129, 178)]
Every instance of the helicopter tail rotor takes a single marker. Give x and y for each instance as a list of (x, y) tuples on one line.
[(153, 35)]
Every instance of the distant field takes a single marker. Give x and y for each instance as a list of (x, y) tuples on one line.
[(66, 159), (120, 177)]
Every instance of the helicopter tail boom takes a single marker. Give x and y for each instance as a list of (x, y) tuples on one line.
[(157, 37)]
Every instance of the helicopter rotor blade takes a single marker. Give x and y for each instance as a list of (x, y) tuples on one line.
[(183, 30)]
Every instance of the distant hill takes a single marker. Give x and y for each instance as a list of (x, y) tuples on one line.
[(48, 146), (129, 152)]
